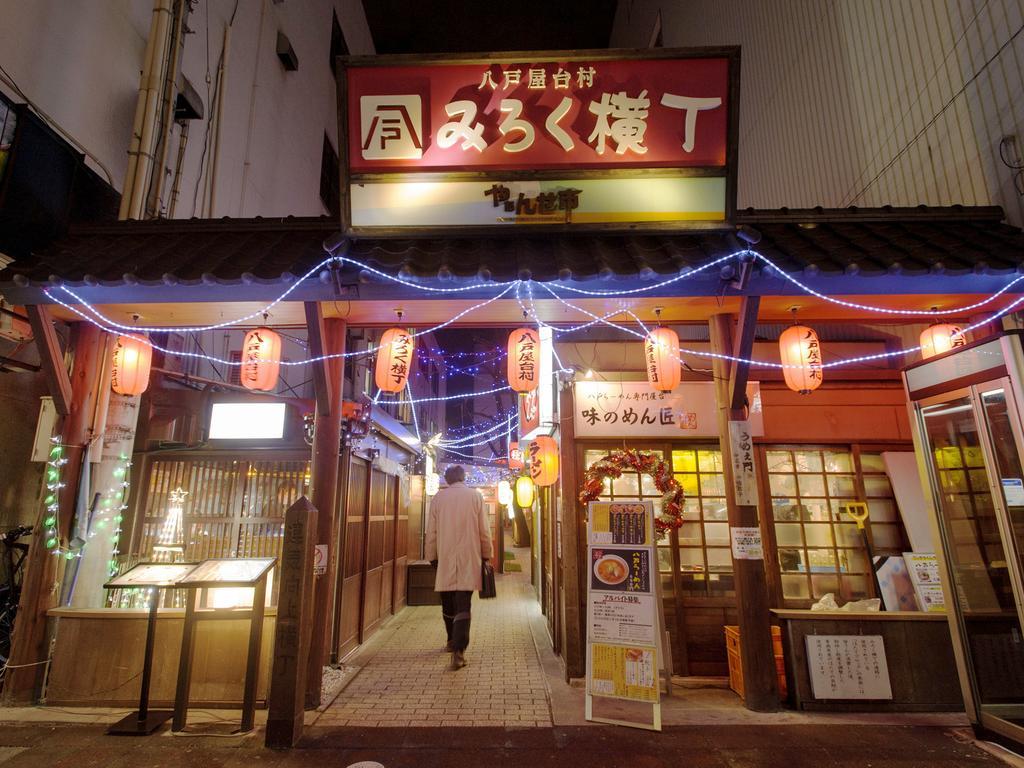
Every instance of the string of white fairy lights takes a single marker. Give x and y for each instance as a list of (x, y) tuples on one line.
[(107, 324)]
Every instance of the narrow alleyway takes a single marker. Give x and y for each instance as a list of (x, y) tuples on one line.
[(404, 678)]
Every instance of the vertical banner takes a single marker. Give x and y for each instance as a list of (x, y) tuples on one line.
[(743, 478), (623, 624)]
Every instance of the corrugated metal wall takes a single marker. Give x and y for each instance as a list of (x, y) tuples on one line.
[(864, 102)]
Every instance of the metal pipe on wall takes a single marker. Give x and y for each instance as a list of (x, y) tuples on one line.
[(140, 111), (215, 152), (170, 88)]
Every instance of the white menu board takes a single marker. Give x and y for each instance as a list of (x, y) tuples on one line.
[(848, 667)]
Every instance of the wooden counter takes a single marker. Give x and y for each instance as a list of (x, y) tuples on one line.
[(918, 650), (97, 659)]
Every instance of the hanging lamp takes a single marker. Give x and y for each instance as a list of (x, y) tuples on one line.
[(394, 359), (661, 357), (800, 351)]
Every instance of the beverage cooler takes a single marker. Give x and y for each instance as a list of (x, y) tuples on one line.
[(969, 436)]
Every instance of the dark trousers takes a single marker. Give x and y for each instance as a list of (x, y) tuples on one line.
[(455, 610)]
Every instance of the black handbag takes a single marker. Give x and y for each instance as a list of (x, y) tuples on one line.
[(488, 589)]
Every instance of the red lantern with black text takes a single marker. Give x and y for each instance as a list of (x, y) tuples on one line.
[(261, 359), (523, 359), (661, 359), (800, 351), (940, 338), (544, 461), (394, 360), (515, 456), (133, 355)]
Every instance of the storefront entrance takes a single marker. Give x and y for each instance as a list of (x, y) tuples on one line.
[(972, 441)]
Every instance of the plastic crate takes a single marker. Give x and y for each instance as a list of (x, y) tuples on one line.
[(732, 647)]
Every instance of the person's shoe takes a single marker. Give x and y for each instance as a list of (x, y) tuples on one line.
[(458, 660), (449, 647)]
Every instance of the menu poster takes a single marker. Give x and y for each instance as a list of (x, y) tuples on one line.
[(624, 625), (620, 522), (615, 618), (624, 672), (620, 570), (924, 573)]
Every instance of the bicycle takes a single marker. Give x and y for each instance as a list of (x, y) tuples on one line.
[(14, 554)]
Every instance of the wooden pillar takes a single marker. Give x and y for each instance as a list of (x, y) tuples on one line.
[(573, 616), (286, 702), (41, 584), (758, 659), (325, 337)]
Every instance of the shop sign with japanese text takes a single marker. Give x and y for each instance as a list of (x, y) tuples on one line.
[(631, 409), (556, 118)]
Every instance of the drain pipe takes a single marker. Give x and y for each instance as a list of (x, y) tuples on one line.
[(170, 91), (176, 184), (134, 146), (215, 159), (149, 95)]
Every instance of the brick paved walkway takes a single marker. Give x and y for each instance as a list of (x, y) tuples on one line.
[(405, 680)]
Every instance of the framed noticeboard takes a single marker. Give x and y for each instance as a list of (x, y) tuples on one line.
[(228, 572), (151, 575), (624, 628)]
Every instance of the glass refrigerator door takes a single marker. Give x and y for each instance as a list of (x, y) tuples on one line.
[(973, 439)]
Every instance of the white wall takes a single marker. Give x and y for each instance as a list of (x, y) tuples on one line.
[(862, 102), (80, 61)]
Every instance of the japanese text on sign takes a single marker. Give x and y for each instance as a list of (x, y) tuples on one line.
[(667, 112), (741, 443), (848, 667)]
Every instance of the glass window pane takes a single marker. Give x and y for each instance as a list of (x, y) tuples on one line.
[(791, 560), (691, 509), (782, 485), (712, 485), (627, 485), (848, 535), (664, 559), (877, 485), (647, 486), (818, 534), (953, 480), (807, 461), (795, 587), (684, 461), (842, 485), (719, 560), (853, 587), (691, 559), (785, 509), (882, 510), (853, 561), (872, 462), (822, 585), (812, 485), (689, 484), (709, 461), (973, 456), (978, 479), (886, 537), (779, 461), (821, 559), (715, 509), (716, 534), (592, 456), (606, 487), (816, 509), (788, 535), (689, 534), (838, 461)]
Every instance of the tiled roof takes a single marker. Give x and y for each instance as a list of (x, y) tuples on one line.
[(852, 241)]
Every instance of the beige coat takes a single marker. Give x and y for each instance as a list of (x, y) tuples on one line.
[(458, 537)]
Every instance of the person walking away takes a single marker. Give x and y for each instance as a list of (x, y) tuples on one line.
[(458, 542)]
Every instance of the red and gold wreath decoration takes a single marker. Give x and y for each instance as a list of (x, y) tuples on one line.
[(646, 463)]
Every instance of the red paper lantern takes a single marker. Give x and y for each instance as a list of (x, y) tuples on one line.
[(394, 360), (523, 359), (800, 351), (661, 359), (544, 460), (515, 456), (940, 338), (133, 356), (261, 359)]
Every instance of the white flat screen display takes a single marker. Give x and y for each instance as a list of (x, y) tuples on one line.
[(247, 421)]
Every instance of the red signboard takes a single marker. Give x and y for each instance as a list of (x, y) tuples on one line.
[(529, 412), (518, 115)]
